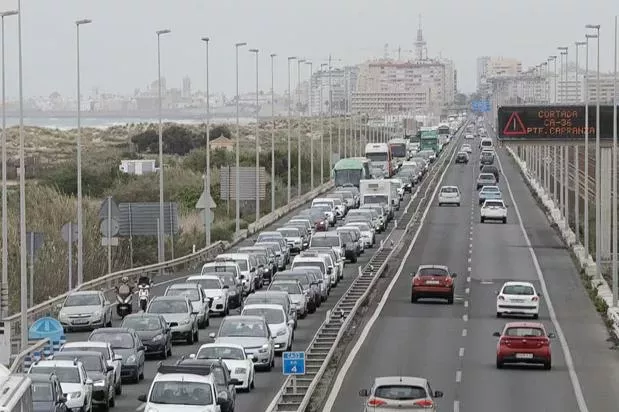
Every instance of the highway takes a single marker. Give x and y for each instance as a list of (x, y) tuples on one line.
[(453, 346), (267, 383)]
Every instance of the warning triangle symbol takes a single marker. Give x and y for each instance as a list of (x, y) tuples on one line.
[(514, 126)]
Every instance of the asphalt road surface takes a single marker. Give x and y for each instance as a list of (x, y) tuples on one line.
[(453, 346), (267, 383)]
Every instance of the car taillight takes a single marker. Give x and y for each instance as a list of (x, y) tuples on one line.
[(501, 297), (545, 342), (417, 280), (448, 281), (424, 403), (534, 298), (376, 402), (504, 341)]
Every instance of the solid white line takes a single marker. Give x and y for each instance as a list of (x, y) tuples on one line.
[(464, 332), (470, 246), (339, 379), (458, 376), (456, 406), (461, 352), (569, 362)]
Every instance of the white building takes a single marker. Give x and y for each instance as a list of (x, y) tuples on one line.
[(495, 66), (342, 81), (137, 167), (607, 87)]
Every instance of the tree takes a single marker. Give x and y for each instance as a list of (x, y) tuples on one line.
[(220, 130), (146, 141)]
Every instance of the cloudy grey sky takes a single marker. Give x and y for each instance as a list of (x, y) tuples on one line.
[(119, 48)]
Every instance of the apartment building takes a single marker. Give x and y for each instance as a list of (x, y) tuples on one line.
[(494, 66), (606, 87), (341, 81)]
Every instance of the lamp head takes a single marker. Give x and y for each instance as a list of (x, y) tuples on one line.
[(206, 39), (164, 31), (593, 26), (83, 21), (9, 13), (240, 44), (254, 50), (273, 55)]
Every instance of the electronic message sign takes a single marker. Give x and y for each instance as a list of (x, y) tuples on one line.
[(552, 123)]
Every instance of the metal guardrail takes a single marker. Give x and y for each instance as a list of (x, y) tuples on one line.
[(18, 362), (107, 282), (289, 398)]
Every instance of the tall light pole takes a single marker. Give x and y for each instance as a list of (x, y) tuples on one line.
[(564, 150), (614, 225), (563, 52), (290, 59), (577, 154), (4, 295), (80, 221), (586, 96), (330, 120), (554, 60), (554, 148), (160, 104), (207, 174), (598, 206), (322, 131), (299, 62), (256, 52), (273, 55), (311, 121), (238, 143)]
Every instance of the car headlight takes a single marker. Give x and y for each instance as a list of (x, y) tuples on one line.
[(185, 322), (157, 338), (264, 348), (99, 384), (240, 371), (218, 297), (232, 292), (131, 359), (282, 332), (74, 395), (96, 314)]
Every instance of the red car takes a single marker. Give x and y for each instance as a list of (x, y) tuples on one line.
[(433, 282), (321, 225), (524, 342)]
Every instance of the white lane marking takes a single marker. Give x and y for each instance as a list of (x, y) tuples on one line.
[(461, 352), (467, 291), (464, 332), (466, 303), (469, 269), (458, 376), (569, 362), (456, 406), (468, 279), (465, 317), (470, 246), (469, 259), (339, 379), (140, 408)]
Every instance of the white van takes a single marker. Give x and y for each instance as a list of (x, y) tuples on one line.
[(485, 143)]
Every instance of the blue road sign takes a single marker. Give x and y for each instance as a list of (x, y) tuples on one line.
[(293, 363), (480, 106), (46, 327)]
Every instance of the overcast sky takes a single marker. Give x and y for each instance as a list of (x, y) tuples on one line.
[(119, 47)]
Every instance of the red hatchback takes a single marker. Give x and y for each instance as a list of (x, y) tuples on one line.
[(524, 342), (433, 282)]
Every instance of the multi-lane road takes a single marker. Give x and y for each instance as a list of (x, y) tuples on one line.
[(453, 346), (267, 383)]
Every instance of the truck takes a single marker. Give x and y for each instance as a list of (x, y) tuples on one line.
[(430, 141), (381, 191), (379, 156), (444, 133), (349, 171)]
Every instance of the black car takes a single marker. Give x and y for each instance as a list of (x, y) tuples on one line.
[(47, 393), (225, 385), (462, 157), (154, 332), (349, 244), (101, 374), (487, 158), (127, 344), (491, 169)]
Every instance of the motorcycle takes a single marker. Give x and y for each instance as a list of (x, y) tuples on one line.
[(125, 301), (143, 295)]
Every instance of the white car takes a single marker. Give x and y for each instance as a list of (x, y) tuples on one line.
[(449, 195), (469, 136), (282, 327), (240, 364), (72, 377), (518, 298), (493, 209), (215, 291), (104, 348), (466, 148), (400, 393), (367, 232)]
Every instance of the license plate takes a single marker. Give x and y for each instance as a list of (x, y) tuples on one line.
[(80, 321), (524, 356), (432, 282), (517, 300)]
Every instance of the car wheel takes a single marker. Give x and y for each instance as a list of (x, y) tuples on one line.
[(112, 400), (547, 365), (141, 376), (226, 311), (196, 336), (499, 364), (481, 220), (354, 260), (136, 377), (450, 300), (170, 350), (413, 298), (504, 220), (109, 321), (208, 322), (164, 353), (440, 204), (253, 382)]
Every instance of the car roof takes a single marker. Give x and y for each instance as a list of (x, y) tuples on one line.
[(78, 353), (482, 175), (184, 285), (206, 277), (525, 325), (177, 297), (235, 255), (242, 318), (142, 315), (56, 363), (516, 283), (219, 345), (187, 377), (280, 280), (268, 293), (263, 306), (394, 380), (113, 330), (85, 292), (492, 187), (433, 267), (324, 234), (449, 186), (85, 343), (222, 260)]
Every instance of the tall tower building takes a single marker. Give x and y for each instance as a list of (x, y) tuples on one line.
[(420, 43)]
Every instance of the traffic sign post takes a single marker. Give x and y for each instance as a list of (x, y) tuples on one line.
[(293, 364)]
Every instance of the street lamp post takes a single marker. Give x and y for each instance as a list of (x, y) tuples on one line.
[(577, 155), (273, 55), (299, 126), (564, 150), (257, 137), (238, 143), (311, 121), (598, 206), (80, 221), (586, 98), (614, 225), (161, 225), (4, 292), (322, 131), (290, 59), (554, 148), (207, 174)]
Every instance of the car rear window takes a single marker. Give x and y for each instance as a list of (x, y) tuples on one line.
[(400, 392), (524, 332), (449, 190), (493, 203), (518, 290), (486, 176), (432, 272), (490, 189)]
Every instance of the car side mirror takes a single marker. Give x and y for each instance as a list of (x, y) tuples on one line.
[(62, 399), (89, 381), (168, 329), (497, 334), (109, 368), (438, 394), (142, 398), (329, 270), (344, 245), (551, 335), (141, 348), (195, 313), (364, 393), (58, 306), (253, 270), (226, 287), (118, 358), (211, 335), (234, 382), (222, 398)]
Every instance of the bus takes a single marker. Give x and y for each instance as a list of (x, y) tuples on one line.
[(444, 133), (15, 393), (367, 173), (349, 171), (398, 151), (430, 141), (379, 156)]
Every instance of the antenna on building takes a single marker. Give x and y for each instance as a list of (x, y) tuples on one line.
[(399, 53), (386, 52)]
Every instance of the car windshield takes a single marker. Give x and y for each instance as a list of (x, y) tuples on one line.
[(64, 374), (242, 328), (345, 236), (310, 263), (91, 363), (272, 316), (524, 290), (191, 294), (168, 306), (102, 350), (143, 323), (303, 280), (90, 299), (181, 393), (521, 332), (377, 157), (324, 241), (227, 280), (380, 199), (291, 288), (400, 392), (42, 392), (208, 284), (221, 352), (493, 203), (289, 232), (118, 340), (325, 206), (346, 195), (267, 237), (243, 264), (432, 272)]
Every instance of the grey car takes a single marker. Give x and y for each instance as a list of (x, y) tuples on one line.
[(85, 310), (323, 284), (311, 291), (295, 291), (197, 297), (273, 297), (486, 179), (126, 343), (179, 314), (253, 334)]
